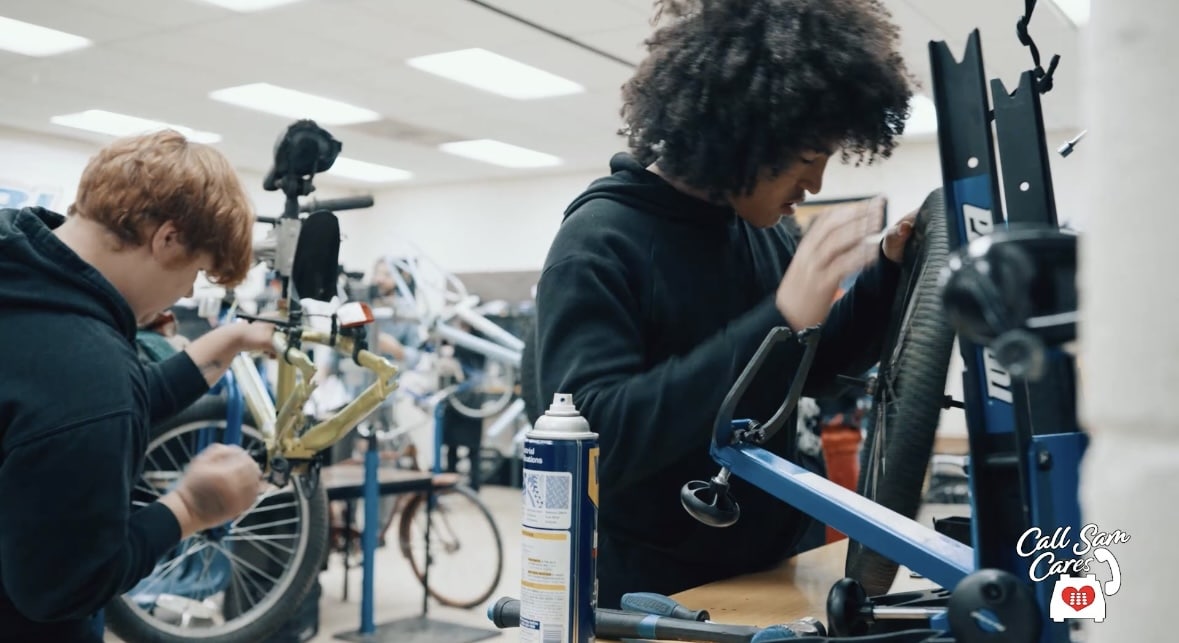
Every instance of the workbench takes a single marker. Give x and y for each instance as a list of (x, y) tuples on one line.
[(346, 482), (795, 589)]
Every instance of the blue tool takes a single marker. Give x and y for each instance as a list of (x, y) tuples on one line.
[(660, 605)]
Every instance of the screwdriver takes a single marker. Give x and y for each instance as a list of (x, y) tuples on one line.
[(660, 605)]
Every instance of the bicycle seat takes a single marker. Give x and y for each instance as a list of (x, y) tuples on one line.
[(1014, 291)]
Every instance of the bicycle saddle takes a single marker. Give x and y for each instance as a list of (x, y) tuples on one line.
[(1014, 291)]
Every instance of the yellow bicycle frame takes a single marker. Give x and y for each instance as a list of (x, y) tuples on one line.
[(281, 427)]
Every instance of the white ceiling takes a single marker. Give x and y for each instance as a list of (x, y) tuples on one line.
[(161, 58)]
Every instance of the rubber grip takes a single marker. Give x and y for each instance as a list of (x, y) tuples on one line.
[(660, 605), (343, 203)]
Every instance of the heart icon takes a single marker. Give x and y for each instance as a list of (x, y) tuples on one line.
[(1078, 598)]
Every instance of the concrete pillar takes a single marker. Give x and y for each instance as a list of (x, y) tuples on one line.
[(1129, 349)]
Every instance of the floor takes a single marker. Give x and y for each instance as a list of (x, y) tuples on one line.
[(398, 595)]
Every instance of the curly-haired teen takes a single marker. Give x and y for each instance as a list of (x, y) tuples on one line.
[(76, 404), (666, 275)]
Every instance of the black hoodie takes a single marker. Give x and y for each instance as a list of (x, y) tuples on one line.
[(650, 305), (76, 405)]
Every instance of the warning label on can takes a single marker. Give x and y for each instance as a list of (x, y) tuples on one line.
[(544, 586), (548, 499)]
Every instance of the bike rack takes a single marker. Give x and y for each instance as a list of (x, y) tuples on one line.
[(1025, 442)]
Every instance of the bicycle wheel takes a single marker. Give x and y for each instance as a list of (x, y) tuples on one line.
[(528, 385), (461, 530), (909, 392), (227, 585)]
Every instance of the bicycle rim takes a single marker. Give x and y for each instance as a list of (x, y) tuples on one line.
[(496, 406), (221, 588), (461, 527)]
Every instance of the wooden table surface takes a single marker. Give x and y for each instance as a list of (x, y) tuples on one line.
[(795, 589)]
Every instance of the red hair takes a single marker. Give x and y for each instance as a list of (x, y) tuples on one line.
[(136, 184)]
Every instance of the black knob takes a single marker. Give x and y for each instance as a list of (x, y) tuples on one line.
[(710, 502), (848, 608), (993, 605)]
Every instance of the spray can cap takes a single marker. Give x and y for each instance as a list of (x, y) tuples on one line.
[(562, 406)]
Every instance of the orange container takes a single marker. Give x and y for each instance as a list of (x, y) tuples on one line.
[(841, 451)]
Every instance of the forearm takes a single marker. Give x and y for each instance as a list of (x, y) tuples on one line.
[(214, 351), (853, 334), (388, 345)]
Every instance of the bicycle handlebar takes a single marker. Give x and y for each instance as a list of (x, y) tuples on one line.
[(334, 205), (343, 203)]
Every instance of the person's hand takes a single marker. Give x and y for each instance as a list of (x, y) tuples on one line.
[(838, 244), (254, 336), (897, 236), (220, 484)]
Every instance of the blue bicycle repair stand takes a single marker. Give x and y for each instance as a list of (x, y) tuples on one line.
[(414, 629), (1026, 445)]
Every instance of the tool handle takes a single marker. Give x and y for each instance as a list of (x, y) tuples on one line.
[(616, 624), (660, 605)]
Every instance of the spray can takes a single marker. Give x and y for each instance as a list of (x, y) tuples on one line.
[(558, 592)]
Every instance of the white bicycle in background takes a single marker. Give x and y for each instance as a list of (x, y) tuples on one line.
[(463, 360)]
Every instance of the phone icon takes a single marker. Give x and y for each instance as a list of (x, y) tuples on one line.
[(1076, 597)]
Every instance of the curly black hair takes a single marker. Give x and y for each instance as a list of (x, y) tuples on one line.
[(732, 88)]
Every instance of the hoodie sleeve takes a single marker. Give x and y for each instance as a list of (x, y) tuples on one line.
[(173, 385), (590, 344), (70, 541), (853, 334)]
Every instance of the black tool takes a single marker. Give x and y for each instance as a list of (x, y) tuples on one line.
[(850, 612)]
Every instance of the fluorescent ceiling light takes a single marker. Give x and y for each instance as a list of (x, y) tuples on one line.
[(368, 172), (499, 153), (1076, 11), (290, 103), (494, 73), (115, 124), (244, 6), (35, 40), (922, 116)]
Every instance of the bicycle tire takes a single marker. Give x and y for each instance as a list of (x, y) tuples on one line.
[(910, 390), (130, 623), (405, 534), (528, 383)]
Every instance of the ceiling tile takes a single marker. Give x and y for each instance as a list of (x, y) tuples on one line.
[(571, 18), (81, 19), (161, 58)]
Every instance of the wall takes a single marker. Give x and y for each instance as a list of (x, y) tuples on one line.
[(45, 169), (1129, 346)]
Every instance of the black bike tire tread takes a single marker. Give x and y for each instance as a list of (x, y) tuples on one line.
[(405, 530), (912, 418), (122, 620)]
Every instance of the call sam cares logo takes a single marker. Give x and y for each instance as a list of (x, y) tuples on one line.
[(1077, 593)]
